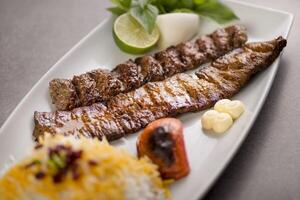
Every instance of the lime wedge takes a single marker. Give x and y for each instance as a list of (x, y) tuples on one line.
[(131, 37)]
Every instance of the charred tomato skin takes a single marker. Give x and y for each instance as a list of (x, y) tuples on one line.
[(163, 143)]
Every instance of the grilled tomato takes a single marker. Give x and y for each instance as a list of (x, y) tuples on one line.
[(162, 141)]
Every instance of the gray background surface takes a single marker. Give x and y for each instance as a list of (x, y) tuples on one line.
[(34, 34)]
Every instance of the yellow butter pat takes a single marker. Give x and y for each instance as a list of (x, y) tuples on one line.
[(218, 122), (234, 108), (207, 119), (222, 122)]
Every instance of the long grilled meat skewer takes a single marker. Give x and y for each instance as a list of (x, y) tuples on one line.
[(129, 112), (100, 85)]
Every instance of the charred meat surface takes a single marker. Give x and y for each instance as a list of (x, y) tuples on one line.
[(63, 94), (101, 85), (129, 112), (86, 89)]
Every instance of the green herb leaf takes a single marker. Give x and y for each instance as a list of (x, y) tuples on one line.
[(124, 4), (56, 162), (117, 10), (146, 17), (141, 3), (59, 160), (199, 2), (216, 11), (169, 5), (52, 166), (159, 5), (161, 9), (145, 11), (189, 4)]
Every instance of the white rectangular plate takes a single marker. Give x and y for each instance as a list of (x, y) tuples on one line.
[(207, 155)]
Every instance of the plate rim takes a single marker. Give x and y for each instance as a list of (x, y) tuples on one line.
[(229, 156), (234, 149), (52, 68)]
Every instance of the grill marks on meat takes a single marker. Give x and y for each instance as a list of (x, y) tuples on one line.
[(190, 54), (86, 89), (129, 74), (105, 79), (171, 62), (151, 69), (63, 94), (129, 112), (101, 85)]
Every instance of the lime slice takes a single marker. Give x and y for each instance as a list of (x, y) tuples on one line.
[(131, 37)]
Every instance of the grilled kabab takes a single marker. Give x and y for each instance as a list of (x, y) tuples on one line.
[(129, 112), (101, 85)]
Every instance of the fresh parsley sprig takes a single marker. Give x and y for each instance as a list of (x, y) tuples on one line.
[(146, 11)]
